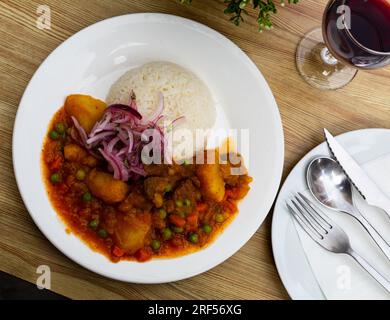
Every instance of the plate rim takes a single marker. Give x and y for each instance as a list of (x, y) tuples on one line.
[(290, 288), (158, 17)]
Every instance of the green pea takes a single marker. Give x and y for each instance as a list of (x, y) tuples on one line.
[(80, 175), (60, 128), (219, 218), (207, 228), (178, 230), (168, 188), (54, 135), (179, 203), (55, 178), (94, 224), (102, 233), (87, 197), (162, 213), (167, 234), (156, 245), (194, 238)]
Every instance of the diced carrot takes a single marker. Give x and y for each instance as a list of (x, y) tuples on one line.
[(177, 221), (241, 192), (70, 180), (118, 252), (233, 193), (192, 219), (56, 164), (229, 193), (230, 206), (202, 206), (143, 255)]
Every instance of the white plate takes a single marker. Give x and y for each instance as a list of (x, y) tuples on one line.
[(89, 62), (293, 267)]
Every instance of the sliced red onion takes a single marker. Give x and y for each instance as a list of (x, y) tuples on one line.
[(100, 136), (131, 141), (111, 145), (125, 119), (101, 125), (122, 108), (123, 135), (122, 152), (114, 163), (118, 137), (81, 131), (138, 170), (177, 122), (158, 112)]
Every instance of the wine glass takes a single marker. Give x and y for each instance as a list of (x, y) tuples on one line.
[(355, 34)]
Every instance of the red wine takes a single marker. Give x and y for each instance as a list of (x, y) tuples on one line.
[(366, 44)]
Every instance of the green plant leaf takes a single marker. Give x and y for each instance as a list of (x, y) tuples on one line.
[(265, 8)]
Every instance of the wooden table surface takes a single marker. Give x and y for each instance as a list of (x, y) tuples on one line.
[(251, 272)]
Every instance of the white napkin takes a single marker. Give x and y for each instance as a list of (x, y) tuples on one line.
[(338, 275)]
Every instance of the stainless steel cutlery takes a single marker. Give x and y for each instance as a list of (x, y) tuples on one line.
[(328, 234), (367, 188), (331, 182), (330, 186)]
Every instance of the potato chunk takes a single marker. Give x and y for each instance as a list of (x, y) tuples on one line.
[(85, 109), (131, 231), (103, 186), (211, 181), (75, 153)]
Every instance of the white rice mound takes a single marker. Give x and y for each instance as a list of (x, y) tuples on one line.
[(184, 94)]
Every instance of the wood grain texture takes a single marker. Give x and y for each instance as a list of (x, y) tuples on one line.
[(249, 274)]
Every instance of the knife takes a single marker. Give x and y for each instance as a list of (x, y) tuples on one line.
[(363, 183)]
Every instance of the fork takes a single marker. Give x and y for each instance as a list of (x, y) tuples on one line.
[(328, 234)]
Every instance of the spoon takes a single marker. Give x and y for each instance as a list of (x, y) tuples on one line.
[(329, 184)]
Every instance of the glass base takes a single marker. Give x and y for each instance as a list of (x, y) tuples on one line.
[(318, 67)]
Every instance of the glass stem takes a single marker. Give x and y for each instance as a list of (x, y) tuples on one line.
[(327, 57)]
